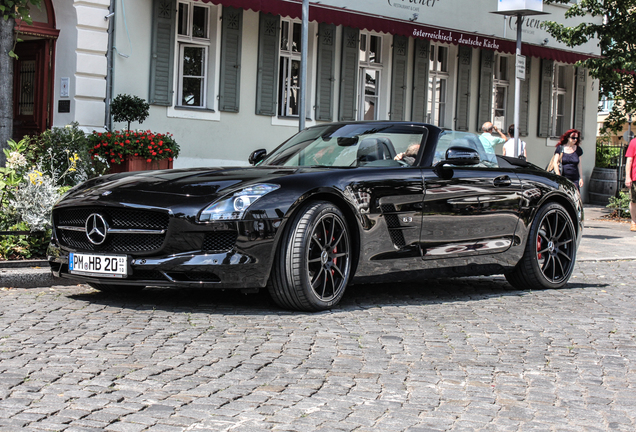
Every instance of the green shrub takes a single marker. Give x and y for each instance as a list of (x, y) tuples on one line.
[(607, 156), (23, 246), (64, 148), (126, 108), (620, 205)]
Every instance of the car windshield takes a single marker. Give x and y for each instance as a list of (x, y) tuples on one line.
[(358, 144)]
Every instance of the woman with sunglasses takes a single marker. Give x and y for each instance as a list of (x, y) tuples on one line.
[(567, 157)]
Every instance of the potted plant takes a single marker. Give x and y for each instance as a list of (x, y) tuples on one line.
[(129, 150), (134, 150)]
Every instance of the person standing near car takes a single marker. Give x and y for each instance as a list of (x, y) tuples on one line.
[(509, 146), (567, 158), (488, 138), (630, 180)]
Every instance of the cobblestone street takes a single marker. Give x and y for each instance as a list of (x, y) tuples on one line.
[(464, 354)]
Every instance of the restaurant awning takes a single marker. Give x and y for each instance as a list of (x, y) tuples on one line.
[(357, 19)]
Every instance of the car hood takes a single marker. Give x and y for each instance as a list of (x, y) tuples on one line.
[(191, 182)]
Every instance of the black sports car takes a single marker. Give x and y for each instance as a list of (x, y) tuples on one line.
[(335, 204)]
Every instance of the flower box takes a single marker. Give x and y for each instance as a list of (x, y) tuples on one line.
[(138, 163)]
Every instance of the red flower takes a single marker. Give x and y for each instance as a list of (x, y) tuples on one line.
[(148, 160), (127, 141), (112, 160)]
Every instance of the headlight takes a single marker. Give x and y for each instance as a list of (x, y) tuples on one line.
[(233, 207)]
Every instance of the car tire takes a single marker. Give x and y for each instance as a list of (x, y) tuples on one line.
[(117, 289), (312, 264), (550, 252)]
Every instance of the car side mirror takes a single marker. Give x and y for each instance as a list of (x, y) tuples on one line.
[(457, 156), (257, 156), (461, 156)]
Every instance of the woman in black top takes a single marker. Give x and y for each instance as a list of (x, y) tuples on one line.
[(567, 157)]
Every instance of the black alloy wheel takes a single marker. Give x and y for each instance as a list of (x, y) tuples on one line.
[(555, 249), (313, 263), (550, 251)]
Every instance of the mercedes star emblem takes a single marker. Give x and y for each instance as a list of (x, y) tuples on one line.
[(96, 229)]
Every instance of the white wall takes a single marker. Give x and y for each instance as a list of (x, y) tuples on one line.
[(81, 56)]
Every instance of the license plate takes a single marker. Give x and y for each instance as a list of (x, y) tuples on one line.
[(114, 266)]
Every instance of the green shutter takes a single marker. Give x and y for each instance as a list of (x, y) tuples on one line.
[(232, 30), (162, 52), (524, 105), (462, 110), (267, 77), (349, 74), (326, 69), (545, 98), (486, 70), (398, 75), (579, 99), (420, 80)]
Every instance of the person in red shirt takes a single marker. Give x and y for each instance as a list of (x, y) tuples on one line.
[(630, 180)]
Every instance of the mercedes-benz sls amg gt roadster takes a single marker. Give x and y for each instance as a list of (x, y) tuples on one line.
[(336, 204)]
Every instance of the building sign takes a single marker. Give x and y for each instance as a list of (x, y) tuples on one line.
[(521, 67), (460, 20), (447, 36)]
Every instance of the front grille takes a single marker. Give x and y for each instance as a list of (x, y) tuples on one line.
[(125, 243), (117, 218), (148, 275), (219, 241), (122, 219)]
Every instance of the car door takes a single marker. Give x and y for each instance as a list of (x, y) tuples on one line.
[(468, 210)]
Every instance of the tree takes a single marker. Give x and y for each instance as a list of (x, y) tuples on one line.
[(127, 108), (616, 33), (10, 11)]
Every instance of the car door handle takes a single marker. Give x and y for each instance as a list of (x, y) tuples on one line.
[(502, 181)]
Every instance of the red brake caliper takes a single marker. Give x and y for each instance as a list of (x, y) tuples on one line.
[(539, 246)]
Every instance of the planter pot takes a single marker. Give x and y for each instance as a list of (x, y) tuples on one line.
[(137, 163)]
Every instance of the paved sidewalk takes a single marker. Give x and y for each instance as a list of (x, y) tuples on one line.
[(603, 240)]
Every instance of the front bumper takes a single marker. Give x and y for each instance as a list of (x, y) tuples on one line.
[(196, 269)]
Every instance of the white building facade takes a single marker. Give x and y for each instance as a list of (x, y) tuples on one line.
[(223, 75)]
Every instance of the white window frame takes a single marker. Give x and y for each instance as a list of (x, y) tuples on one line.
[(558, 92), (436, 77), (187, 40), (375, 67), (501, 82), (287, 57)]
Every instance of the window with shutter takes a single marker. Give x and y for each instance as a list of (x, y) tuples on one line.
[(524, 105), (437, 85), (398, 82), (195, 46), (579, 99), (501, 86), (267, 78), (230, 80), (462, 109), (349, 74), (370, 63), (420, 80), (161, 61), (289, 64), (486, 69), (326, 71), (545, 98)]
